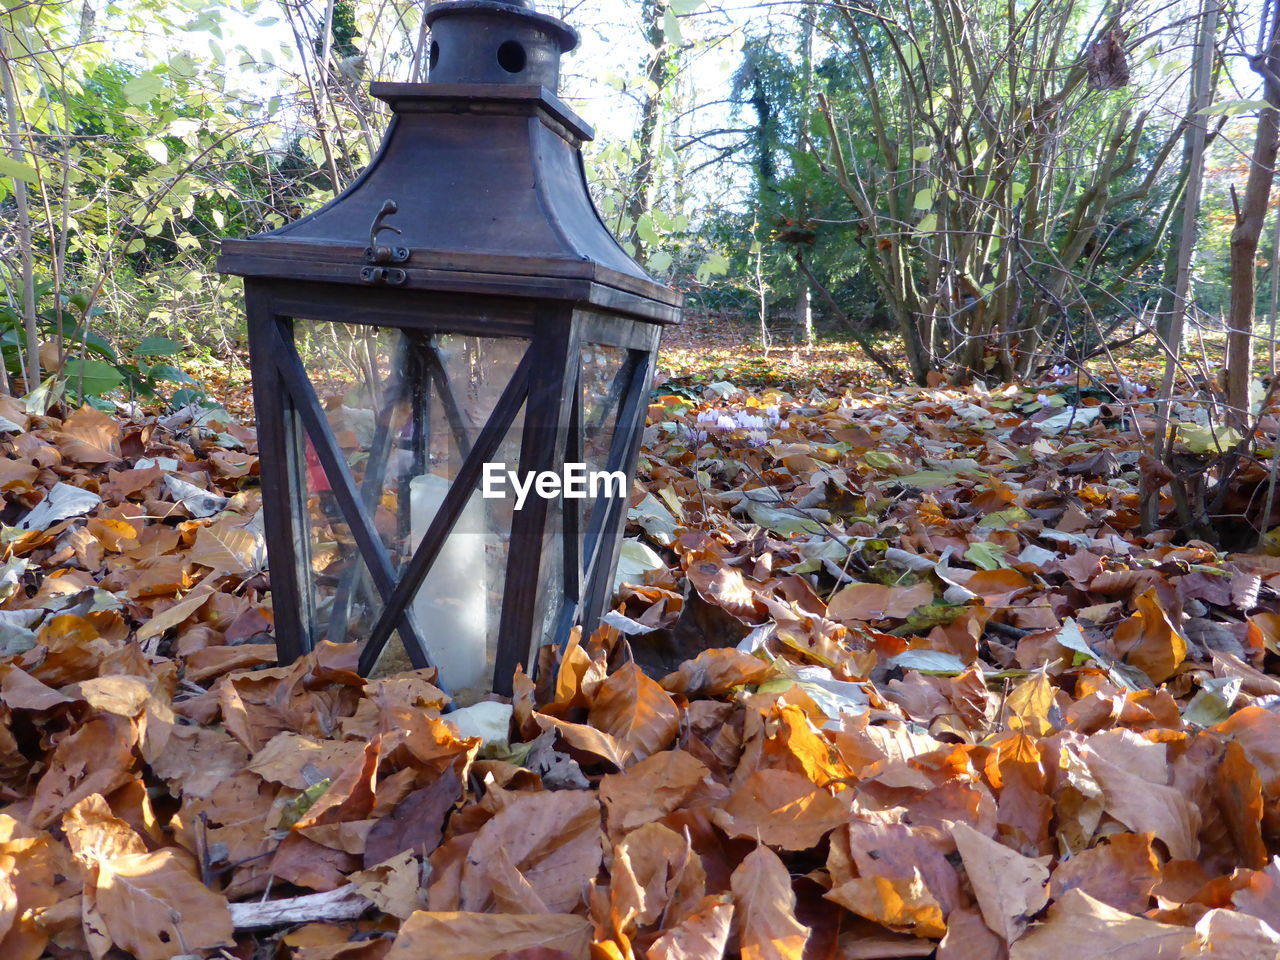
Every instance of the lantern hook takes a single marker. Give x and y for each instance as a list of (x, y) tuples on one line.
[(381, 256)]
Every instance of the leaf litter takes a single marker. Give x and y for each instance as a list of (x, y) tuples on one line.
[(893, 674)]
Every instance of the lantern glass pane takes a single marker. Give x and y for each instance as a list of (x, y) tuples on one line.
[(405, 409), (603, 378)]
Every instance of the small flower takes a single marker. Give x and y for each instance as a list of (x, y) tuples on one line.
[(774, 413), (757, 438), (726, 423)]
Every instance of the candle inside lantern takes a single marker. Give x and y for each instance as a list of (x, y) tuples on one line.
[(452, 605)]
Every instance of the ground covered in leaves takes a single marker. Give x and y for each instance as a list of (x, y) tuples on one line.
[(894, 676)]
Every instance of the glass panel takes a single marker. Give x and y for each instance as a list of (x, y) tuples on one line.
[(604, 375), (405, 409)]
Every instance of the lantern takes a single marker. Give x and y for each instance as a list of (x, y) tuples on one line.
[(456, 327)]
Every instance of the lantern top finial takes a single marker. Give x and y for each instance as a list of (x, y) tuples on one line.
[(496, 41)]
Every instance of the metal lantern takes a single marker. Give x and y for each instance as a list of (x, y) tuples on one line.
[(455, 324)]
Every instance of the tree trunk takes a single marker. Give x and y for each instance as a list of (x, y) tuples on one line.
[(648, 139), (1197, 134), (1250, 216), (17, 153), (804, 300), (804, 310)]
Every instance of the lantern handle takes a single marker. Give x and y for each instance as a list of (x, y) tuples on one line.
[(380, 255)]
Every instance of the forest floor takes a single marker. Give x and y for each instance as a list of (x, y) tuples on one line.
[(895, 675)]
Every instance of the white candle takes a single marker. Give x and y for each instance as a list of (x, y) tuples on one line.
[(452, 605)]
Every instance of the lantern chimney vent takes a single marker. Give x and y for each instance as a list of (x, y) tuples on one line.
[(496, 41)]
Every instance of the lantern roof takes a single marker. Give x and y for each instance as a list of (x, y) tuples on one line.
[(479, 185)]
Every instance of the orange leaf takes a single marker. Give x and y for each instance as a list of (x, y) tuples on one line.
[(768, 928), (782, 809), (875, 601), (154, 906), (632, 707), (1149, 641)]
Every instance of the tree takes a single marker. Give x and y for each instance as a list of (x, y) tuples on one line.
[(989, 157), (1250, 215)]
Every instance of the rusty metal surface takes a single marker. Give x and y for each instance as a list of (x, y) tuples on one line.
[(483, 169)]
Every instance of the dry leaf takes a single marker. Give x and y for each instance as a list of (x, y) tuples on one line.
[(702, 935), (485, 936), (782, 809), (394, 886), (154, 906), (1149, 641), (554, 841), (1009, 887), (874, 601), (766, 909), (634, 709), (1079, 925), (89, 436)]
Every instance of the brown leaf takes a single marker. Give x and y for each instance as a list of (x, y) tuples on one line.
[(782, 809), (875, 601), (97, 758), (766, 905), (89, 436), (95, 834), (903, 904), (1120, 872), (1260, 896), (175, 614), (702, 935), (1227, 935), (485, 936), (969, 938), (1240, 798), (553, 839), (225, 545), (416, 823), (656, 875), (1079, 925), (1009, 887), (155, 907), (27, 887), (1149, 641), (1147, 807), (634, 708), (650, 789), (714, 671), (394, 886)]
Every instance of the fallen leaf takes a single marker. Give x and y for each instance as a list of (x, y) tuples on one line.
[(89, 436), (485, 936), (634, 709), (1009, 887), (154, 906), (1149, 641), (766, 908), (874, 601), (1078, 923), (782, 809), (554, 840), (703, 935)]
